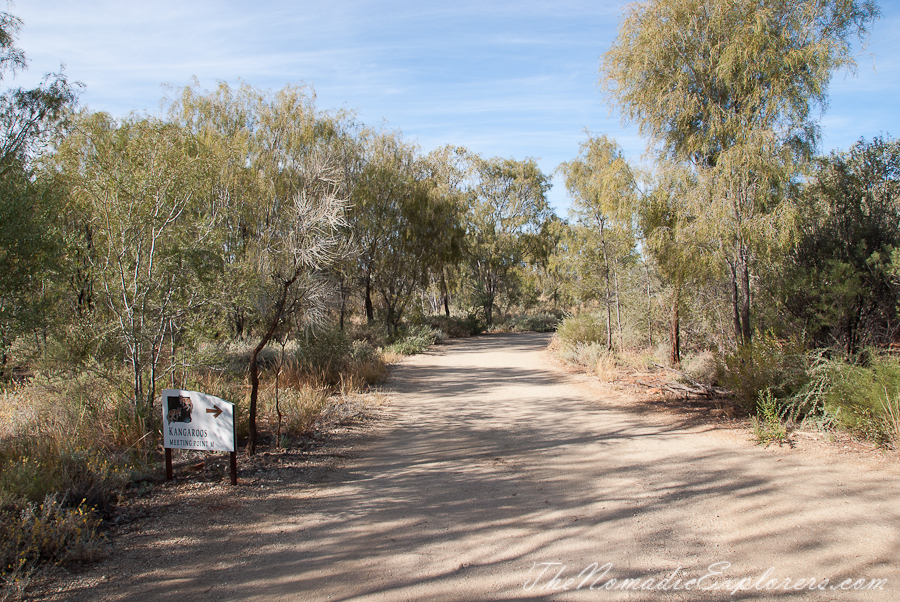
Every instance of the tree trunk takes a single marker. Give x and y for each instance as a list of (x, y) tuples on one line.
[(675, 329), (370, 309), (735, 305), (445, 296), (618, 309), (138, 373), (254, 362), (254, 394), (343, 292), (746, 333), (608, 299), (649, 310)]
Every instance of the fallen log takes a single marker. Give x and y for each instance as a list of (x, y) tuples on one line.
[(700, 388)]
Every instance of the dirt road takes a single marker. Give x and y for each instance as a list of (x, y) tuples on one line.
[(494, 476)]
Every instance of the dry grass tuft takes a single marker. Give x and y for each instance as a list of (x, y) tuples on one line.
[(891, 407), (606, 368)]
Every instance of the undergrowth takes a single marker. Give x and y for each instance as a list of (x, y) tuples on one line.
[(767, 424), (71, 442)]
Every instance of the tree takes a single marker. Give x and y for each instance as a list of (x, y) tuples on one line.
[(381, 220), (285, 221), (29, 239), (604, 192), (446, 166), (666, 224), (841, 283), (730, 87), (507, 211), (404, 220), (136, 189)]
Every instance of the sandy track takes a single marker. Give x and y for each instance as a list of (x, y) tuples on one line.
[(494, 471)]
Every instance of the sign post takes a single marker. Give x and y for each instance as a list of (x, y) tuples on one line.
[(198, 421)]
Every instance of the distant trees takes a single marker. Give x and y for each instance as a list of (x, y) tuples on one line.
[(404, 223), (604, 195), (507, 212)]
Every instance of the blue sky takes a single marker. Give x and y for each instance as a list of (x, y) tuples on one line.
[(511, 79)]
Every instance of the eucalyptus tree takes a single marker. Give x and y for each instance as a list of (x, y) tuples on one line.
[(604, 192), (381, 188), (506, 214), (730, 88), (447, 170)]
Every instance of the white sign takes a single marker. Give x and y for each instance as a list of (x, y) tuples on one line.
[(194, 420)]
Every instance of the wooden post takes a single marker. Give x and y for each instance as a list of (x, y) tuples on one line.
[(168, 464), (234, 468)]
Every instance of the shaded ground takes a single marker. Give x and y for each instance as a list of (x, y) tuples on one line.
[(489, 472)]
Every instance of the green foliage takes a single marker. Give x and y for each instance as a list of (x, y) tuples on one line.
[(728, 90), (859, 396), (415, 339), (144, 229), (581, 329), (323, 350), (405, 216), (841, 280), (534, 323), (703, 77), (454, 327), (30, 238), (602, 241), (767, 364), (507, 214), (767, 424)]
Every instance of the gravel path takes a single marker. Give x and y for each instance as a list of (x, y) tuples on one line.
[(492, 475)]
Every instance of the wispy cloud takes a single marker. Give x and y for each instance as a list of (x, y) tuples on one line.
[(507, 78)]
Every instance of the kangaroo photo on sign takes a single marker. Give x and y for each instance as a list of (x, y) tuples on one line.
[(193, 420)]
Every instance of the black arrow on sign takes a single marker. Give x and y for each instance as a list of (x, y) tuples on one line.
[(216, 410)]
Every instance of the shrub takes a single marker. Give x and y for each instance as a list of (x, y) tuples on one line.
[(365, 366), (535, 323), (767, 425), (860, 396), (375, 333), (62, 467), (581, 329), (323, 351), (416, 339), (765, 364), (46, 532), (702, 367), (455, 327)]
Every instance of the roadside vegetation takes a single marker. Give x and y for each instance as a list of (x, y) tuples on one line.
[(249, 245)]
